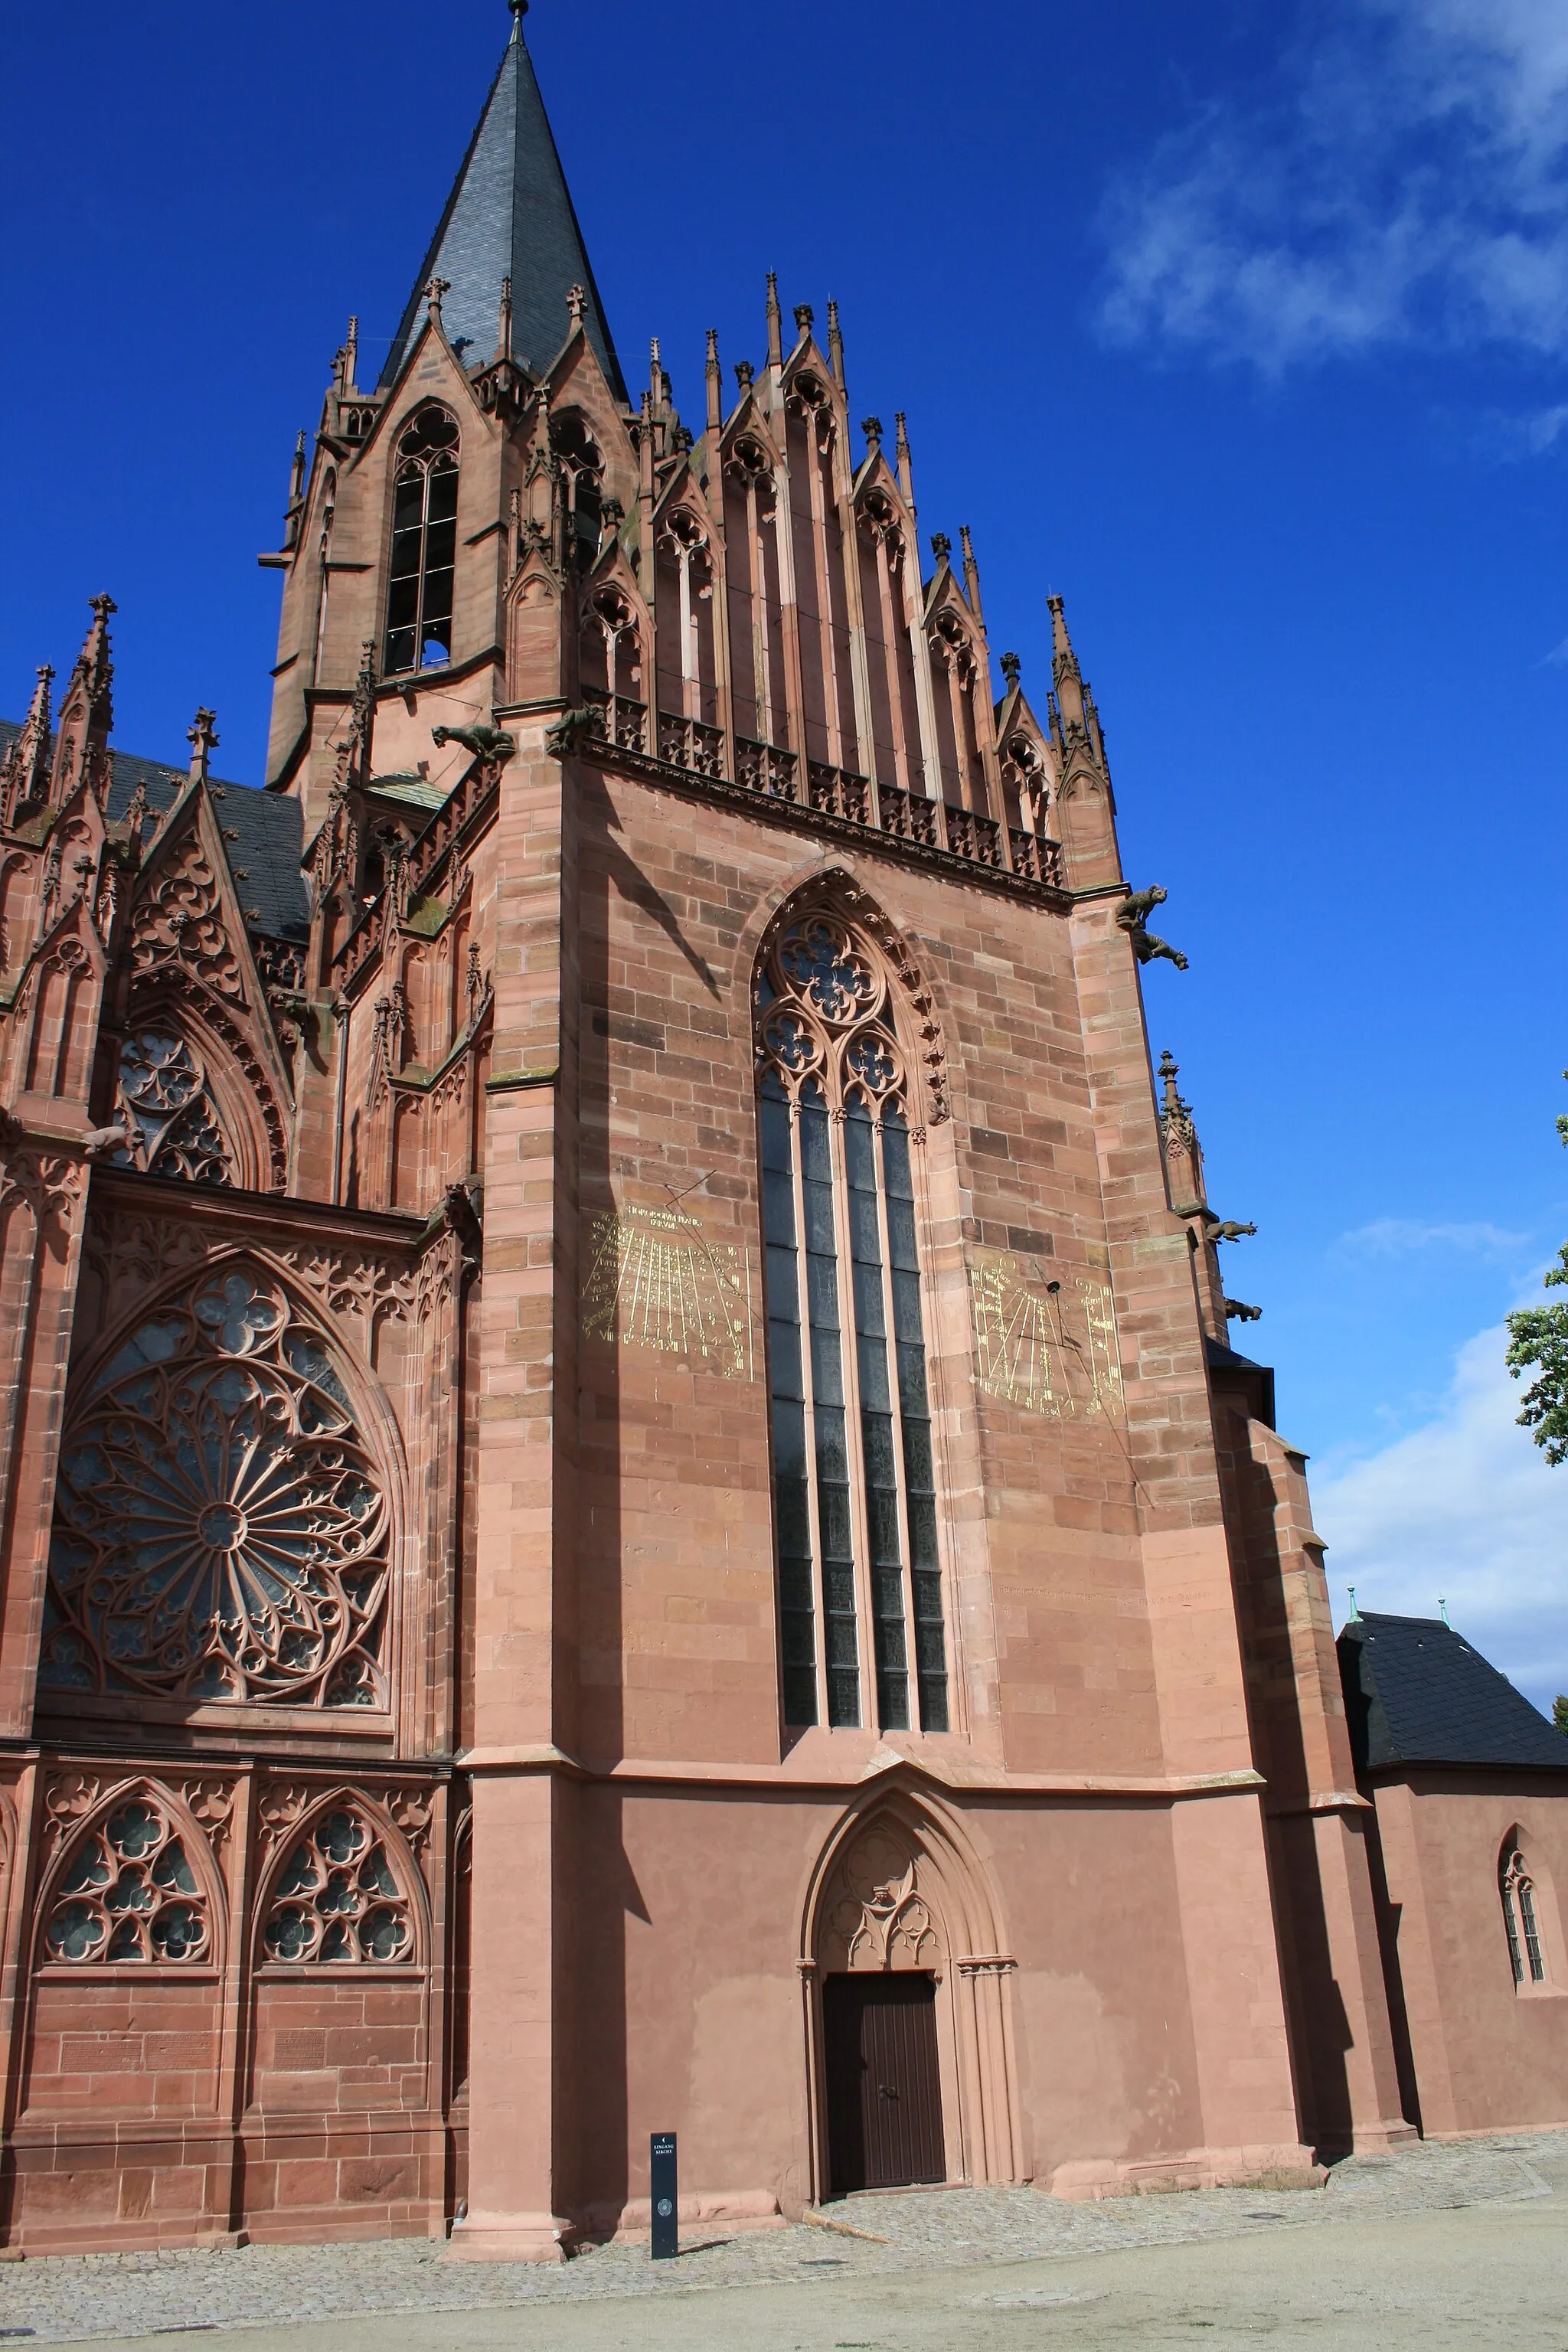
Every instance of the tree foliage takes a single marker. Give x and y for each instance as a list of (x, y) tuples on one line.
[(1559, 1710), (1538, 1343)]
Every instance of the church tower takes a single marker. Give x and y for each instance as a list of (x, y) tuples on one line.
[(626, 1493)]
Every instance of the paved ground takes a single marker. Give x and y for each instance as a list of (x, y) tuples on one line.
[(1456, 2246)]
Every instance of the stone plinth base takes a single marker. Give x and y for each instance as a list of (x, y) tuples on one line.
[(510, 2238), (1278, 2168)]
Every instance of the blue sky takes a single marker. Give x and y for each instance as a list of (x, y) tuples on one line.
[(1245, 327)]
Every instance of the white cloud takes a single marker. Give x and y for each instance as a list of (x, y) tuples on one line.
[(1558, 657), (1466, 1508), (1402, 1236), (1403, 178)]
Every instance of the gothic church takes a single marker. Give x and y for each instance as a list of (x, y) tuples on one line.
[(626, 1502)]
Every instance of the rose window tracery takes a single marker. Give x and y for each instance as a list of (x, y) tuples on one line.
[(220, 1525), (337, 1901), (171, 1125), (128, 1893)]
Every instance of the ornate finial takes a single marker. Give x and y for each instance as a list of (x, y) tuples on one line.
[(713, 346), (351, 356), (940, 546), (433, 293), (805, 318), (103, 606), (872, 427), (519, 11), (503, 322), (745, 374), (1355, 1612), (835, 346), (1012, 668), (202, 737), (775, 322), (1443, 1610), (577, 303)]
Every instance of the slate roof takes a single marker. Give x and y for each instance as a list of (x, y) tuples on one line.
[(509, 215), (267, 829), (1415, 1692)]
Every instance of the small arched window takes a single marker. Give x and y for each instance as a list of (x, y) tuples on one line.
[(424, 545), (1520, 1916), (854, 1476)]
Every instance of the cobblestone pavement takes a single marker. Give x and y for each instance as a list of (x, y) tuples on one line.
[(75, 2298)]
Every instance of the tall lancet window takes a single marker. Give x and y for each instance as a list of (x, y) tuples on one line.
[(424, 545), (859, 1578)]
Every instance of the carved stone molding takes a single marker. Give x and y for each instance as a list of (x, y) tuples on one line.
[(177, 925), (50, 1184), (350, 1282)]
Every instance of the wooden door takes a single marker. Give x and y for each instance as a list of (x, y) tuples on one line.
[(884, 2085)]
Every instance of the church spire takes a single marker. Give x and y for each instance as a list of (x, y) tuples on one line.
[(509, 215)]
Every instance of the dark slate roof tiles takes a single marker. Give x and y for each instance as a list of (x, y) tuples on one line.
[(1415, 1692), (509, 215), (268, 830)]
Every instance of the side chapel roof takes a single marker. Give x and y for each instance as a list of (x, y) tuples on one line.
[(1415, 1692), (509, 215), (267, 830)]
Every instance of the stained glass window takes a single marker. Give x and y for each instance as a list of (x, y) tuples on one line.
[(128, 1893), (220, 1527), (860, 1574)]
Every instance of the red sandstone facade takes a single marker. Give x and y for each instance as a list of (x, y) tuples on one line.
[(476, 1678)]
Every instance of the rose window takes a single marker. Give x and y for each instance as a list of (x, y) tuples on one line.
[(337, 1900), (130, 1893), (220, 1526), (166, 1108)]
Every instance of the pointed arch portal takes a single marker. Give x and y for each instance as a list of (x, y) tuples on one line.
[(908, 2016)]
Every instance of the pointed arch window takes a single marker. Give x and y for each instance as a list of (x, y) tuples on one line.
[(1520, 1918), (128, 1893), (424, 545), (338, 1902), (582, 466), (859, 1575)]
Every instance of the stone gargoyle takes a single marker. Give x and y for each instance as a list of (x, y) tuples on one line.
[(1133, 913), (491, 744), (568, 730)]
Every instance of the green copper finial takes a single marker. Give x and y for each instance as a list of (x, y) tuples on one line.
[(519, 11)]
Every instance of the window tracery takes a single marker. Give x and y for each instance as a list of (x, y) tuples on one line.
[(220, 1525), (855, 1495), (166, 1109), (337, 1901), (1525, 1950), (424, 545), (128, 1893)]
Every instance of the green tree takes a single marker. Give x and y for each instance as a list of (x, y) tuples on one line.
[(1538, 1343), (1559, 1710)]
